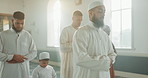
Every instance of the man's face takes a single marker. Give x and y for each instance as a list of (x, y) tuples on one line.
[(18, 25), (77, 20), (43, 63), (98, 16)]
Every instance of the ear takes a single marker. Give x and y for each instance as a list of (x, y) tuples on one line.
[(72, 17), (12, 21), (90, 14)]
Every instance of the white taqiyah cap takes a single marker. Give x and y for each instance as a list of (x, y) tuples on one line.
[(44, 55), (95, 4)]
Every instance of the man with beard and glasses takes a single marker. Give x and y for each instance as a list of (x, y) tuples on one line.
[(93, 53), (17, 48)]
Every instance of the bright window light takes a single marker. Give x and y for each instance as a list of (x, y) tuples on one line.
[(54, 18), (121, 23)]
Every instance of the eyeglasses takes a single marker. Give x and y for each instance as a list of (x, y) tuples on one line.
[(101, 11)]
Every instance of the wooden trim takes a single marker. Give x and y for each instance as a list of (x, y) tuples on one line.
[(4, 14)]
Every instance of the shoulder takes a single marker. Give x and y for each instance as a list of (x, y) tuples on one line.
[(37, 68), (68, 27), (5, 32), (49, 66), (26, 33), (66, 30), (84, 30)]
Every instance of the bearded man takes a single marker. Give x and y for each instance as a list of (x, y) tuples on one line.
[(17, 48), (93, 53)]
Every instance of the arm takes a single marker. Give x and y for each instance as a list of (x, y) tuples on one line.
[(112, 52), (3, 56), (82, 58), (54, 73), (32, 50), (65, 45), (35, 74)]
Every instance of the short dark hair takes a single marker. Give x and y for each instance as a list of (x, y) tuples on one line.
[(77, 13), (44, 59), (19, 15)]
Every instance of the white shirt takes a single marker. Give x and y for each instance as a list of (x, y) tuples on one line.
[(66, 51), (16, 43), (92, 53), (47, 72), (66, 39)]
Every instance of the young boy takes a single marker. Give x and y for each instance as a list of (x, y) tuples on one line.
[(43, 70)]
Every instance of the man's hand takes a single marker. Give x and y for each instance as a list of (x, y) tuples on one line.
[(17, 59), (12, 61)]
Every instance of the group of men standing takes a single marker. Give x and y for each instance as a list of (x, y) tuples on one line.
[(87, 52)]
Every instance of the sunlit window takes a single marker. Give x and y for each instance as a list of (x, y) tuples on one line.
[(121, 23), (54, 17)]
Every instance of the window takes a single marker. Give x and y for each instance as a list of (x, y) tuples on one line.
[(53, 20), (121, 23)]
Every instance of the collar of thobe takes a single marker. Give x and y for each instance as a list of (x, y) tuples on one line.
[(15, 31), (92, 25)]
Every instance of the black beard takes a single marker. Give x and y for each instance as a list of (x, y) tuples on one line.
[(98, 22), (17, 31)]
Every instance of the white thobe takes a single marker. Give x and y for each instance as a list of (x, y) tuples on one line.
[(66, 52), (16, 43), (47, 72), (92, 53)]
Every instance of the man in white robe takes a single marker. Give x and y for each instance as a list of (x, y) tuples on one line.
[(66, 45), (106, 28), (17, 48), (92, 50)]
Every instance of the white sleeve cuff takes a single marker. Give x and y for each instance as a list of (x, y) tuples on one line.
[(9, 57)]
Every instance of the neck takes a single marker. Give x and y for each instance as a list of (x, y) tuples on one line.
[(74, 26), (95, 25)]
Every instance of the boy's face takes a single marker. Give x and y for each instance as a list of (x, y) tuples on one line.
[(43, 63)]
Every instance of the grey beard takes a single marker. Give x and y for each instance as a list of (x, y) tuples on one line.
[(97, 22)]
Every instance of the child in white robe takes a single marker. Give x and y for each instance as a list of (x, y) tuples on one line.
[(43, 70)]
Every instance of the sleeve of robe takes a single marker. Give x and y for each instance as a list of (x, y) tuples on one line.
[(4, 56), (35, 74), (54, 73), (65, 45), (32, 50), (81, 56)]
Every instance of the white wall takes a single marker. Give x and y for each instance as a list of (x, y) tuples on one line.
[(9, 6), (140, 25), (37, 16), (36, 21)]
